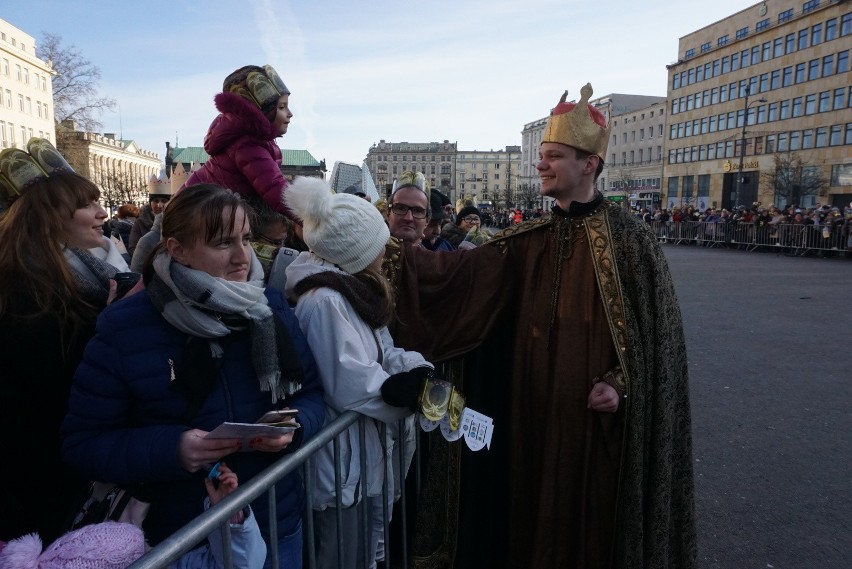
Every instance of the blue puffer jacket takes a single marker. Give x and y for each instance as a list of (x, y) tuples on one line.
[(125, 421)]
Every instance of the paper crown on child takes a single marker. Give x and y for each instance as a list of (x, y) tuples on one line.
[(21, 169), (578, 125), (108, 545), (158, 188), (260, 85), (411, 179)]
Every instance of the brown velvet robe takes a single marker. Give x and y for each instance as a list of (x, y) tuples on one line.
[(542, 313)]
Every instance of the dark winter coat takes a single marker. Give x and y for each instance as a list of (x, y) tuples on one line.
[(141, 226), (243, 153), (125, 420), (39, 359)]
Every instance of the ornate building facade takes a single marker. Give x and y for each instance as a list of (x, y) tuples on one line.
[(436, 160)]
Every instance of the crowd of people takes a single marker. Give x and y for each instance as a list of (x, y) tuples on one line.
[(242, 294), (821, 228)]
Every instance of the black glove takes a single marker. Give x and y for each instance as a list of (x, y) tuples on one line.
[(403, 389)]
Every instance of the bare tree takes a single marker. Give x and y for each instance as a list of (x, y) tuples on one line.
[(527, 196), (118, 188), (791, 178), (75, 86)]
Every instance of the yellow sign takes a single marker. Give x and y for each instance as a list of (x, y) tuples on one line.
[(728, 166)]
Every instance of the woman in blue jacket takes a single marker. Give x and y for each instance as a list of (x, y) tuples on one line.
[(203, 344)]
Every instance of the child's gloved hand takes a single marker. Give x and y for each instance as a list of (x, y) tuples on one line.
[(403, 389)]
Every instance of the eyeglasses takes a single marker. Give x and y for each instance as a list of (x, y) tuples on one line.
[(471, 219), (401, 209)]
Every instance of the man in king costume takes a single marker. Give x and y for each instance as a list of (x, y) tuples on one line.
[(567, 332)]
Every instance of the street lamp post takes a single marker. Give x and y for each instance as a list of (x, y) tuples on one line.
[(739, 185)]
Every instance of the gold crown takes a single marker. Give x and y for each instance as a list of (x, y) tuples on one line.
[(576, 127), (20, 169), (415, 179)]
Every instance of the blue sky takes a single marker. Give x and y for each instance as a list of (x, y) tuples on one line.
[(470, 71)]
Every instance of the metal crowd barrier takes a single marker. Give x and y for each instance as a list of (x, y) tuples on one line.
[(216, 518), (792, 238)]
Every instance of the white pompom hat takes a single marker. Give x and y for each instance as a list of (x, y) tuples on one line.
[(341, 228)]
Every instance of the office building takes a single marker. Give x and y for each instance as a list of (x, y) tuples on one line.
[(762, 92)]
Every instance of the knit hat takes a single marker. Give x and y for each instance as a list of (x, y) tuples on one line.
[(464, 212), (341, 228), (108, 545), (260, 85), (437, 208)]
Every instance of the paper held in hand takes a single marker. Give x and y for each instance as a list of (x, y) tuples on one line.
[(272, 424)]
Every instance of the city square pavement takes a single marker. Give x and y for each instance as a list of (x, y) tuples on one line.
[(769, 339)]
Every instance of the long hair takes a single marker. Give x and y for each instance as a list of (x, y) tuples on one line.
[(376, 280), (194, 215), (32, 264)]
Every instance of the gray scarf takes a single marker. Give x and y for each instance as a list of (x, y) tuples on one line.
[(91, 274), (204, 306)]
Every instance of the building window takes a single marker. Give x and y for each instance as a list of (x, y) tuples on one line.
[(813, 69), (825, 101), (839, 98), (848, 138), (785, 109), (790, 43), (821, 137), (797, 107), (816, 34), (787, 78), (831, 29), (842, 62), (689, 53), (742, 32), (766, 51), (846, 26), (726, 64), (807, 139), (803, 39), (827, 65), (705, 47), (785, 15), (795, 140), (810, 104), (778, 47), (809, 5), (834, 137), (722, 41), (762, 25), (800, 73)]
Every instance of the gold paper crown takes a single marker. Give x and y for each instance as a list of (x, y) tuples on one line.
[(159, 188), (415, 179), (574, 125), (20, 169)]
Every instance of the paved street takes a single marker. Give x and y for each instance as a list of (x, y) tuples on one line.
[(769, 340)]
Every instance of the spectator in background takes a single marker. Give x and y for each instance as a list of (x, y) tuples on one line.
[(159, 192), (409, 210), (122, 225)]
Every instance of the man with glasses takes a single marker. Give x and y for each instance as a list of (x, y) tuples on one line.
[(408, 211)]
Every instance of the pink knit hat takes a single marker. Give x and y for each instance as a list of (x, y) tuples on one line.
[(109, 545)]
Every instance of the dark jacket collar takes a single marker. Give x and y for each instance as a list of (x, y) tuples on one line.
[(577, 208)]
